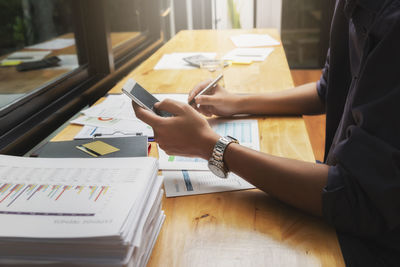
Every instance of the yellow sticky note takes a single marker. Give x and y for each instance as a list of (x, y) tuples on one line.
[(242, 62), (97, 148), (10, 62)]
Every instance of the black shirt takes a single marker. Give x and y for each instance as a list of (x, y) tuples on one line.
[(360, 86)]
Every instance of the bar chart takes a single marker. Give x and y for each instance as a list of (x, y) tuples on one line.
[(13, 198)]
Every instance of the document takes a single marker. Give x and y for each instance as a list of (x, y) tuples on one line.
[(120, 106), (55, 44), (253, 40), (248, 54), (182, 183), (89, 132), (111, 126), (246, 131), (115, 117), (114, 106), (175, 61)]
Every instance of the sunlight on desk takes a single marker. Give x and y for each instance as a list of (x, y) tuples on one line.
[(242, 228)]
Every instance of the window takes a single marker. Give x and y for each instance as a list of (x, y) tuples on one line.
[(96, 42), (33, 30), (305, 31)]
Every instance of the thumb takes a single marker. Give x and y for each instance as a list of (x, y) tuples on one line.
[(206, 100), (145, 115), (171, 106)]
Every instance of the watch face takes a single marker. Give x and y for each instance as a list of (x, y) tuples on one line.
[(217, 171)]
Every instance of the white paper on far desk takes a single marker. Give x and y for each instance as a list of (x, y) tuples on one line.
[(182, 183), (246, 131), (175, 61), (26, 56), (55, 44), (248, 54), (253, 40)]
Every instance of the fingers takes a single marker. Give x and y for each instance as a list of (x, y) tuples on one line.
[(146, 116), (206, 110), (172, 106), (198, 88), (209, 100)]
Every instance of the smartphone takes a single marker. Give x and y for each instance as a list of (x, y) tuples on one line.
[(142, 97), (195, 60)]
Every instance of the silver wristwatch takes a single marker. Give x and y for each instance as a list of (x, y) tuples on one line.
[(216, 162)]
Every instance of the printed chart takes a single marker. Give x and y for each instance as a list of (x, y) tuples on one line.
[(45, 199), (182, 183), (245, 131)]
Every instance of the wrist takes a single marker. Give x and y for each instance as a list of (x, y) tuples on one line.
[(242, 104), (216, 163), (208, 144)]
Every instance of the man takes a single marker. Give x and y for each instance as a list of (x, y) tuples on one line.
[(357, 189)]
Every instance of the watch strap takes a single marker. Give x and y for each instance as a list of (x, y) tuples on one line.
[(217, 158)]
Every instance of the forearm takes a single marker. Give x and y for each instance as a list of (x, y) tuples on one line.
[(300, 100), (295, 182)]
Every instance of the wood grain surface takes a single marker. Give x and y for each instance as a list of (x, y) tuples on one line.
[(242, 228), (315, 124)]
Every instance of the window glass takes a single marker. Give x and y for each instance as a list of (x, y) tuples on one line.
[(130, 23), (32, 30), (301, 32)]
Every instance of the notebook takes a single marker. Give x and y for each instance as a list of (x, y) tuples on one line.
[(133, 146)]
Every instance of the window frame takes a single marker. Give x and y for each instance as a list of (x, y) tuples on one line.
[(26, 122)]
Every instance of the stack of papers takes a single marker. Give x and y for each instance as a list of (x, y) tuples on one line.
[(175, 61), (85, 212)]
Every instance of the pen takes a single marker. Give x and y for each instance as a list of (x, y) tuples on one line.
[(109, 134), (248, 55), (19, 58), (209, 86)]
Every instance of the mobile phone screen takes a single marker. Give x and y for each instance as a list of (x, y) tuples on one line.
[(146, 99)]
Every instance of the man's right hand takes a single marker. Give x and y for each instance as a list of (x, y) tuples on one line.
[(217, 101)]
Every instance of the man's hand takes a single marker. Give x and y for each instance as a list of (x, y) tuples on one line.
[(218, 101), (186, 134)]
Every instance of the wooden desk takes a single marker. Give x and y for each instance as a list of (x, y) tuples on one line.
[(14, 82), (243, 228)]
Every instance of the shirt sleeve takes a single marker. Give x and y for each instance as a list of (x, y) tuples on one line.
[(362, 195), (322, 84), (363, 189)]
